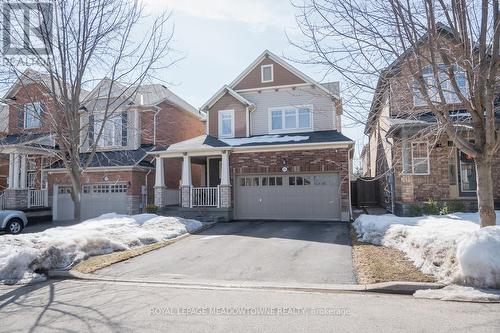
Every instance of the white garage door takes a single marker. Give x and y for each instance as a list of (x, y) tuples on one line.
[(290, 196), (97, 199)]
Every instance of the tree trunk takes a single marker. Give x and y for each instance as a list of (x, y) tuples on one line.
[(485, 200), (76, 193)]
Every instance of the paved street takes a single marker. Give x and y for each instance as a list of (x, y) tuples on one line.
[(305, 252), (79, 306)]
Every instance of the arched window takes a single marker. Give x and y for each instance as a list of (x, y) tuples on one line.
[(446, 85)]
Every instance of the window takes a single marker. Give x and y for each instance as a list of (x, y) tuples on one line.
[(226, 124), (290, 118), (111, 130), (449, 92), (33, 115), (266, 73), (416, 158)]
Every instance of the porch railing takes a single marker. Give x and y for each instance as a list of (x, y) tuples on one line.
[(37, 198), (205, 196), (2, 201)]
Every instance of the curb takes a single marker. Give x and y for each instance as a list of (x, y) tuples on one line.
[(400, 288)]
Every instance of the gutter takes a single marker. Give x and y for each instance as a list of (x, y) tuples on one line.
[(349, 168)]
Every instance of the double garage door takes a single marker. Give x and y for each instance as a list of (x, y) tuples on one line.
[(288, 196), (97, 199)]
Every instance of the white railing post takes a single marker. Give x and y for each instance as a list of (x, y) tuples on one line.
[(218, 196), (191, 196)]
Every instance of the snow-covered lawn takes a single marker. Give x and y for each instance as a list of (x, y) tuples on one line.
[(22, 256), (452, 247)]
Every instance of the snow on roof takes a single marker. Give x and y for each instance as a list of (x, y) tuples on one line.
[(265, 139)]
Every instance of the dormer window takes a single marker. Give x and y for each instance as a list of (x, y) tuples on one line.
[(267, 73), (226, 124)]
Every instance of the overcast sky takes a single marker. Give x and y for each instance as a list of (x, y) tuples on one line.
[(219, 38)]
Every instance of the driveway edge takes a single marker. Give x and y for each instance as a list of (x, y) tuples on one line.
[(396, 287)]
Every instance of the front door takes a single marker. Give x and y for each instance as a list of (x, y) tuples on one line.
[(467, 174)]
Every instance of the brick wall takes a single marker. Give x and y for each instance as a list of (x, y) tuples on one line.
[(28, 94), (321, 160), (228, 102), (173, 125), (436, 185)]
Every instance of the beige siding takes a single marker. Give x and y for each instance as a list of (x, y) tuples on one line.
[(323, 107)]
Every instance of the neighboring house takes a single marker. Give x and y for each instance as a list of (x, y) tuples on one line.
[(413, 161), (119, 176), (273, 149)]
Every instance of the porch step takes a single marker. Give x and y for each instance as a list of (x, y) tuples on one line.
[(38, 214), (200, 214)]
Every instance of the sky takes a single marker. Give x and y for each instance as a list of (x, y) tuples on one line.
[(218, 39)]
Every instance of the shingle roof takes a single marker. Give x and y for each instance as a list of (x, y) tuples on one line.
[(16, 139), (207, 142), (114, 158)]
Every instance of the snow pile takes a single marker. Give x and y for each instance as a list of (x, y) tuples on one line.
[(460, 293), (452, 247), (22, 256)]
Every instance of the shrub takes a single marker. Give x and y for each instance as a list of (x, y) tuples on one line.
[(151, 209), (415, 210), (445, 210), (432, 207), (456, 206)]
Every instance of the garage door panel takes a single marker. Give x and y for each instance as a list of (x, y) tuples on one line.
[(310, 196), (96, 200)]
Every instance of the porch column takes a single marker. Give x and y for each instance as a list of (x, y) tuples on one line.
[(225, 182), (11, 170), (186, 182), (16, 171), (160, 188), (23, 172), (15, 198)]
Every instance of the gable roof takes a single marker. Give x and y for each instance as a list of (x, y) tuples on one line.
[(393, 69), (147, 95), (221, 93), (286, 65), (331, 88)]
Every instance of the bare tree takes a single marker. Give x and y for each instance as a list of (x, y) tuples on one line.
[(85, 41), (443, 45)]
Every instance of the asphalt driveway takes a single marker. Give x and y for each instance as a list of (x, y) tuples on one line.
[(303, 252)]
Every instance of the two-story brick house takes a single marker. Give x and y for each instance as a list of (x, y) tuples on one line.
[(408, 152), (273, 149), (120, 174)]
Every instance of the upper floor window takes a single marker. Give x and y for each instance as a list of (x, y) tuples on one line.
[(33, 115), (449, 92), (111, 135), (290, 118), (226, 124), (266, 73)]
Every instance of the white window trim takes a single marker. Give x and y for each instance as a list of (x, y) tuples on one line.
[(35, 105), (460, 164), (262, 73), (412, 166), (290, 130), (98, 123), (448, 93), (219, 115)]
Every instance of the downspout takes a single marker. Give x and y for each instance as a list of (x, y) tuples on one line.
[(391, 174), (154, 126), (146, 184), (349, 168), (247, 121)]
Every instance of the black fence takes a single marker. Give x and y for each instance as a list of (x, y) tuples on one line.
[(365, 192)]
